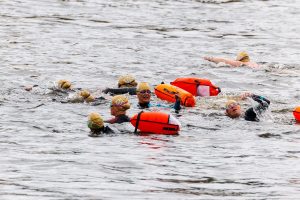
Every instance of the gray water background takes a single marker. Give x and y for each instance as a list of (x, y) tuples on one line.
[(45, 150)]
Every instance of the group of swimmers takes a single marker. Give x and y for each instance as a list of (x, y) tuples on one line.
[(119, 103), (128, 85)]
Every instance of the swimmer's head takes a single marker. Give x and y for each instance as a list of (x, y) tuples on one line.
[(127, 81), (143, 91), (119, 105), (95, 121), (243, 57), (64, 84), (87, 96), (233, 109)]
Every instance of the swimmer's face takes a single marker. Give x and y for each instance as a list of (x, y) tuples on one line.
[(114, 110), (144, 96), (234, 110)]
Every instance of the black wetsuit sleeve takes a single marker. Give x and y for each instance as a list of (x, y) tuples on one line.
[(108, 130), (122, 118), (251, 113), (261, 100), (177, 106), (98, 132), (131, 91)]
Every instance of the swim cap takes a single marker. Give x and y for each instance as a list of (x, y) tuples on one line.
[(95, 121), (90, 99), (127, 81), (228, 103), (143, 86), (87, 96), (120, 101), (243, 57), (64, 84)]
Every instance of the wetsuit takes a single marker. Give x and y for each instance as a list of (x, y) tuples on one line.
[(119, 119), (251, 113), (97, 132), (130, 90)]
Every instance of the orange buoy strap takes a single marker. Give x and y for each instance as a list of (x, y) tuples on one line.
[(165, 89), (138, 121), (296, 111), (164, 93)]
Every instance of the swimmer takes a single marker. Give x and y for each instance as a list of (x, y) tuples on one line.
[(64, 92), (119, 106), (233, 109), (96, 125), (144, 97), (63, 86), (126, 84), (81, 97), (242, 59), (61, 89)]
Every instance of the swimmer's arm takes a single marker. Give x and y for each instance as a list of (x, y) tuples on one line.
[(261, 100), (160, 105), (176, 106), (111, 121), (216, 60), (107, 129)]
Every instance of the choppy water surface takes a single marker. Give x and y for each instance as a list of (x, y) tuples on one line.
[(45, 150)]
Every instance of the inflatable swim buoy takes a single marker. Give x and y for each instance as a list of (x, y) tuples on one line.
[(167, 92), (155, 122), (197, 86), (296, 113)]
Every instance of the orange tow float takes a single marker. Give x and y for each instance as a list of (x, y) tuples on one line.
[(197, 86), (167, 92), (296, 113), (155, 122)]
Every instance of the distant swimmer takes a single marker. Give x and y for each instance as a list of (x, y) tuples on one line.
[(81, 97), (233, 109), (126, 84), (242, 59), (144, 98), (119, 106), (96, 125), (63, 91), (84, 96), (63, 86)]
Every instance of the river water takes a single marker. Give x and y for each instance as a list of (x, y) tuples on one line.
[(45, 149)]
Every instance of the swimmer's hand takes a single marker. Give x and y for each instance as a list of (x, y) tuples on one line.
[(208, 58), (245, 95), (177, 106), (177, 97), (105, 91)]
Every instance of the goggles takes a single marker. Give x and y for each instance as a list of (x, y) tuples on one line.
[(232, 105), (145, 92)]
